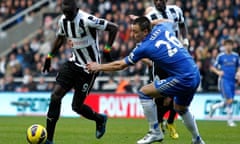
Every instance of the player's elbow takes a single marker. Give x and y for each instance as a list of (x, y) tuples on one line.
[(212, 68), (115, 28), (121, 65), (148, 9), (112, 27)]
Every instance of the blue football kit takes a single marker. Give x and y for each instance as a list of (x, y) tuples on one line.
[(229, 64), (163, 48)]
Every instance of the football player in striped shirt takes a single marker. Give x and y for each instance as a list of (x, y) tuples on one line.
[(82, 30)]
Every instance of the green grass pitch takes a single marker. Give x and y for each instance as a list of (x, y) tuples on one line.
[(119, 131)]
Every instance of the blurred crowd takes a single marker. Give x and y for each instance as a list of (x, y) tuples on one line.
[(10, 8), (209, 23)]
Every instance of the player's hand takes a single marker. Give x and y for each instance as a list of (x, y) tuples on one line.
[(148, 10), (237, 76), (93, 67), (47, 65), (70, 43), (132, 17), (186, 42), (220, 73)]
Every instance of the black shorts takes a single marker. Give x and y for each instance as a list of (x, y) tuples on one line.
[(71, 76)]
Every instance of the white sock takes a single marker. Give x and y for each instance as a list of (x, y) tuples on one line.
[(190, 124), (229, 113), (218, 105), (150, 112)]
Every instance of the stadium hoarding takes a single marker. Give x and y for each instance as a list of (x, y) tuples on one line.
[(114, 105)]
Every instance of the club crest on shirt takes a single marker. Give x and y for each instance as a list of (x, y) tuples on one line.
[(96, 20)]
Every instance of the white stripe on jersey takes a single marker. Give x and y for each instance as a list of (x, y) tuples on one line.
[(87, 57), (75, 53), (69, 31), (82, 31), (173, 13)]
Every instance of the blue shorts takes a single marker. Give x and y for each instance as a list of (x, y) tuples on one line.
[(227, 88), (182, 90)]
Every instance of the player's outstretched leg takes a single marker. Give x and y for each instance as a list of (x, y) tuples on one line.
[(88, 113), (211, 111), (191, 125), (101, 126), (230, 121), (53, 115), (215, 106), (150, 111)]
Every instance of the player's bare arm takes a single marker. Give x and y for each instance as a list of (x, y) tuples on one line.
[(237, 76), (184, 32), (133, 17), (112, 29), (216, 71), (157, 21), (57, 44), (148, 9), (113, 66), (147, 61)]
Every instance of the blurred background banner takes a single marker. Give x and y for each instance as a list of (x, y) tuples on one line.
[(114, 105)]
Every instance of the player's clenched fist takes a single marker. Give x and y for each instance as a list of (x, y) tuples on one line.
[(92, 67)]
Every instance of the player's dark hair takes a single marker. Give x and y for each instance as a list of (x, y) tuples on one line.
[(143, 22), (228, 41), (67, 2)]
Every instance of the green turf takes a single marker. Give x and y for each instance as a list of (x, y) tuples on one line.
[(119, 131)]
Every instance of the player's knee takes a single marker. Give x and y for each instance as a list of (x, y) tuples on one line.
[(142, 90), (143, 96), (58, 93), (56, 96), (181, 111)]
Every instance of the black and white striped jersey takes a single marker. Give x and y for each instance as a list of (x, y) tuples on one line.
[(173, 13), (83, 33)]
